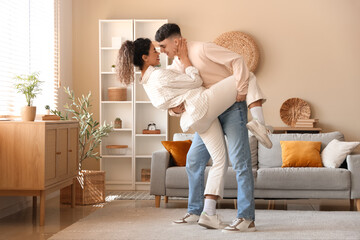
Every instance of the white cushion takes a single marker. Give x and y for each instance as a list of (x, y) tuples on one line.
[(336, 151)]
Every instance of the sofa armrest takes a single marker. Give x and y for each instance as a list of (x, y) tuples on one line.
[(160, 161), (353, 162)]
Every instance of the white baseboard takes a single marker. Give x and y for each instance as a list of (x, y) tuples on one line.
[(10, 205)]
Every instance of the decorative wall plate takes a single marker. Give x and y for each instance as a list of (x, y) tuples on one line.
[(242, 44), (293, 109)]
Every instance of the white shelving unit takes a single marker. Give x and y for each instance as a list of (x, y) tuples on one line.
[(123, 172)]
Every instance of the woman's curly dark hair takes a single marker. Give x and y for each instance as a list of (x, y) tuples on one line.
[(130, 54)]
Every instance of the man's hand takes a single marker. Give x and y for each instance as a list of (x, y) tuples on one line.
[(179, 109), (240, 97)]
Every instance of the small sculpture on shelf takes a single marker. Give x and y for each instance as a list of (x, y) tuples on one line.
[(118, 123), (151, 129), (151, 126)]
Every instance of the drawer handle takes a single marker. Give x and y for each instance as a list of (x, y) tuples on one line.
[(58, 153), (70, 150)]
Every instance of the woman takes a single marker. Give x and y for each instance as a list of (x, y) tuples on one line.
[(168, 88)]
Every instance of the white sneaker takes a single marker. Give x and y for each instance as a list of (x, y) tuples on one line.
[(188, 218), (240, 225), (260, 132), (211, 222)]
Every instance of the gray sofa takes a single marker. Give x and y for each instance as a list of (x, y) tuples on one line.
[(271, 181)]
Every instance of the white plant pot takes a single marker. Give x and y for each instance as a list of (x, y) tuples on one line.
[(28, 113), (113, 69)]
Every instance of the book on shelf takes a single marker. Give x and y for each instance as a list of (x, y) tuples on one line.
[(307, 121), (304, 125)]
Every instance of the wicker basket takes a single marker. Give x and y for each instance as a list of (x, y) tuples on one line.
[(89, 188), (145, 175), (293, 109), (242, 44), (117, 93)]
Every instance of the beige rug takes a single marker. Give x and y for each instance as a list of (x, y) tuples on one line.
[(116, 222), (132, 195)]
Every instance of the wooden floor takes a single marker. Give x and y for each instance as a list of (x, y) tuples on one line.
[(24, 225)]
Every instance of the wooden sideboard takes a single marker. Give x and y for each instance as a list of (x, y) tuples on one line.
[(37, 158)]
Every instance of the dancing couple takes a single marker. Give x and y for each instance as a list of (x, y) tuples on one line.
[(210, 88)]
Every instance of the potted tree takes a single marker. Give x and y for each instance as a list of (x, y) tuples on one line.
[(90, 185), (29, 85)]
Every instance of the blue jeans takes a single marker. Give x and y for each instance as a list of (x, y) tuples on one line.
[(233, 122)]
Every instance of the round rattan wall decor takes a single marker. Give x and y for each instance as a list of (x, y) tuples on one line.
[(242, 44), (293, 109)]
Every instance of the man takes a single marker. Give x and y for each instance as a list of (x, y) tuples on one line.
[(214, 63)]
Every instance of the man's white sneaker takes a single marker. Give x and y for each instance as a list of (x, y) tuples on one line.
[(260, 132), (212, 222), (240, 225), (188, 218)]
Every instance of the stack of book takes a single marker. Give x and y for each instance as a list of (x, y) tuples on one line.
[(306, 123)]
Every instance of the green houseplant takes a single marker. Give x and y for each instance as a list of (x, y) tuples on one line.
[(90, 130), (90, 185), (29, 85), (47, 108)]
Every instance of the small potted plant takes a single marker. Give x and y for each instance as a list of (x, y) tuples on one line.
[(113, 68), (29, 85), (47, 107)]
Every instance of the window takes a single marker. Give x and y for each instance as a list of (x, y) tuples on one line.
[(28, 43)]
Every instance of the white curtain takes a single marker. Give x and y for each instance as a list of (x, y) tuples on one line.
[(28, 43)]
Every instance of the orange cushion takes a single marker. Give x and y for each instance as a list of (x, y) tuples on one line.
[(300, 154), (178, 150)]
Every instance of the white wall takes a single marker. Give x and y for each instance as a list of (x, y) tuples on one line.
[(309, 49)]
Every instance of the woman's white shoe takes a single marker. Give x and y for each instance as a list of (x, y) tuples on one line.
[(260, 132)]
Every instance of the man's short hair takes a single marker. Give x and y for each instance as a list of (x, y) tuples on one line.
[(167, 30)]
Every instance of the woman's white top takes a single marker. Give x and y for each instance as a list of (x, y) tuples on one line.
[(169, 88)]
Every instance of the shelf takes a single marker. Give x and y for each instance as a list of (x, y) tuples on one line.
[(108, 72), (122, 130), (118, 182), (150, 135), (123, 172), (116, 102), (143, 156), (109, 48), (296, 130), (116, 156), (143, 183)]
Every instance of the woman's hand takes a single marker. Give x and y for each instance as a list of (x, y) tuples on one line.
[(179, 109), (182, 52), (240, 97)]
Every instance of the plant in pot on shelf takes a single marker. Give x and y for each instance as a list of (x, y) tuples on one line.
[(113, 68), (90, 185), (47, 108), (29, 85)]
